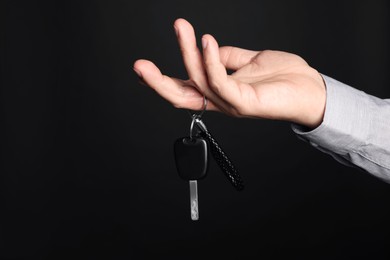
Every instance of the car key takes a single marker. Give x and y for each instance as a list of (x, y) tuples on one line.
[(191, 157)]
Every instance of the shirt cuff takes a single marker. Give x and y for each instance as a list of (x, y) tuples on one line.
[(346, 121)]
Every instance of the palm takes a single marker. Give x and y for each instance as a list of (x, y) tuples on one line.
[(272, 84)]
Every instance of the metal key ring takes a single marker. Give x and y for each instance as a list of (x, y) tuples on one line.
[(195, 116)]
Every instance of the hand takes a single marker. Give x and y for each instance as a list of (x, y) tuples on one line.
[(265, 84)]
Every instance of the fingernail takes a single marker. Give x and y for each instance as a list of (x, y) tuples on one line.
[(204, 43), (138, 73)]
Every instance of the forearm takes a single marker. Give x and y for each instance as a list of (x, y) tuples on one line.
[(355, 129)]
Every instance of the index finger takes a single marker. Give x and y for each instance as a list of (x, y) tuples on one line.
[(191, 55)]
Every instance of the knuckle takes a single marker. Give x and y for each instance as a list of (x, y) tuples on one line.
[(177, 105), (179, 101), (240, 110), (208, 62), (188, 52), (215, 86), (234, 111)]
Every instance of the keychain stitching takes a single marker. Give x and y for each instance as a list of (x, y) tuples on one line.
[(219, 155)]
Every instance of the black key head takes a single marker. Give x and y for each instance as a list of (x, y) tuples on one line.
[(191, 156)]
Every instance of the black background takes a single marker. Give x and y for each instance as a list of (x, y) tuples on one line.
[(87, 169)]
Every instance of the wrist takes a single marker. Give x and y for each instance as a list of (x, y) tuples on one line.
[(313, 110)]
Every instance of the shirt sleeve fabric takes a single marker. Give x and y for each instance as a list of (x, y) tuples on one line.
[(355, 129)]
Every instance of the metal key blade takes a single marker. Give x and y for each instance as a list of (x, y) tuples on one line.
[(194, 200)]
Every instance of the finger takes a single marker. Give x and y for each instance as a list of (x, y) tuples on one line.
[(218, 79), (192, 57), (235, 58), (193, 61), (178, 92)]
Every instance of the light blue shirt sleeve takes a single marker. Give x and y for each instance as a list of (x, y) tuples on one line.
[(355, 129)]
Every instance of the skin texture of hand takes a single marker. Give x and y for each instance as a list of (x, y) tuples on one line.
[(265, 84)]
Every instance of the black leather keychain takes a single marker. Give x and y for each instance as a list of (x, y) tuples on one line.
[(221, 157)]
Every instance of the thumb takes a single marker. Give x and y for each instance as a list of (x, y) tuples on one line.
[(235, 58)]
